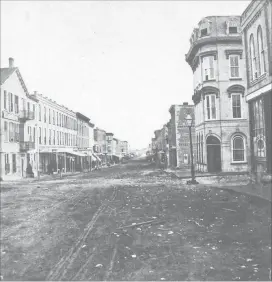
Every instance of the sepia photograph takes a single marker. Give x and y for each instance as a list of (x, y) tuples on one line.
[(135, 140)]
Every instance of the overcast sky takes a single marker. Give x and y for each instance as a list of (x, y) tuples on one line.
[(120, 63)]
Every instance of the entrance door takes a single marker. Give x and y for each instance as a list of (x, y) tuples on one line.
[(213, 154)]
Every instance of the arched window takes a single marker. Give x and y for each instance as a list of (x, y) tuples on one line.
[(252, 58), (238, 149), (261, 51)]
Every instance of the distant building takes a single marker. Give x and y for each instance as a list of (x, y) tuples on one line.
[(100, 144), (178, 135), (257, 38), (217, 59), (124, 148)]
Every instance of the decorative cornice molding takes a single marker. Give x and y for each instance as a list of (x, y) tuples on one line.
[(236, 88), (253, 20), (208, 53), (209, 40), (234, 52), (204, 91)]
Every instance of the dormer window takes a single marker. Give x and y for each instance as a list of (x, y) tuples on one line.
[(204, 32), (233, 30)]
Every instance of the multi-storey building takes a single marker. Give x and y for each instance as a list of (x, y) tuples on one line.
[(257, 38), (124, 148), (17, 135), (109, 137), (178, 135), (100, 147), (56, 140), (216, 57)]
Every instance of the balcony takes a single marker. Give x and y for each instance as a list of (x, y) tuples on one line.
[(26, 146), (26, 115)]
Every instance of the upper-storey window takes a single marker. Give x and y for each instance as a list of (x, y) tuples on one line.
[(234, 66), (44, 113), (233, 30), (49, 116), (236, 105), (253, 63), (40, 113), (261, 51), (208, 68), (16, 104), (53, 117), (203, 32), (210, 106), (5, 99)]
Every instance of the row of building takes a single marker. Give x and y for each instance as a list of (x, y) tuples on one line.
[(231, 61), (42, 136)]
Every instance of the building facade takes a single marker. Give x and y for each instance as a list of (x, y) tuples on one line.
[(217, 59), (17, 121), (56, 141), (178, 135), (100, 144), (257, 39)]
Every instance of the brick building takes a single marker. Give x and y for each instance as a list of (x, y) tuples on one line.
[(216, 57), (257, 39), (178, 136)]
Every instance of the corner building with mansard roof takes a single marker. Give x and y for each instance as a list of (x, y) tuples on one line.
[(217, 59)]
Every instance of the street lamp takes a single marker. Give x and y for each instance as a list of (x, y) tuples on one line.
[(37, 151), (189, 123)]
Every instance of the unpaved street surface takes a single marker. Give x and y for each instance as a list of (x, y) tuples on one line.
[(131, 222)]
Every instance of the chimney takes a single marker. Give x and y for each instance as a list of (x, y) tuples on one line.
[(185, 104), (11, 63)]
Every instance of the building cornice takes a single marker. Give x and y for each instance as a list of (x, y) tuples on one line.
[(189, 57), (236, 88), (234, 52)]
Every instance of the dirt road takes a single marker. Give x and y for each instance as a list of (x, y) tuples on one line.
[(131, 222)]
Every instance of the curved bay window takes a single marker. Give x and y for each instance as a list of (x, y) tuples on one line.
[(238, 149)]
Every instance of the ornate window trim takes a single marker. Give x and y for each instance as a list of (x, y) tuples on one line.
[(210, 90), (236, 88), (208, 53), (234, 52)]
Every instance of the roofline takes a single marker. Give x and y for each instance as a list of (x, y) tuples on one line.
[(83, 117)]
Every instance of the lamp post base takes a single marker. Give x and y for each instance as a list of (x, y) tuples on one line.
[(192, 182)]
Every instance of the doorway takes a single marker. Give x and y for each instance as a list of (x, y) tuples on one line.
[(213, 154)]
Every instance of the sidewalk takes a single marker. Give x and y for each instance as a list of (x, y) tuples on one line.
[(238, 182)]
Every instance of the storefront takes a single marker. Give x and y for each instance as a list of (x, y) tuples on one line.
[(260, 134)]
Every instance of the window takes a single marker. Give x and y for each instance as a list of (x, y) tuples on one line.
[(49, 118), (7, 164), (210, 106), (34, 134), (13, 163), (40, 135), (234, 66), (232, 29), (33, 107), (10, 102), (49, 137), (238, 149), (236, 105), (40, 113), (204, 32), (253, 64), (11, 132), (53, 117), (16, 104), (6, 133), (54, 136), (5, 99), (44, 109), (261, 51), (44, 137), (208, 68)]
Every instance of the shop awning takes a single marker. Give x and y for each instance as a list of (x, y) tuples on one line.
[(80, 154)]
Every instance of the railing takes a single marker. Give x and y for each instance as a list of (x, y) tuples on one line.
[(26, 146), (26, 115)]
